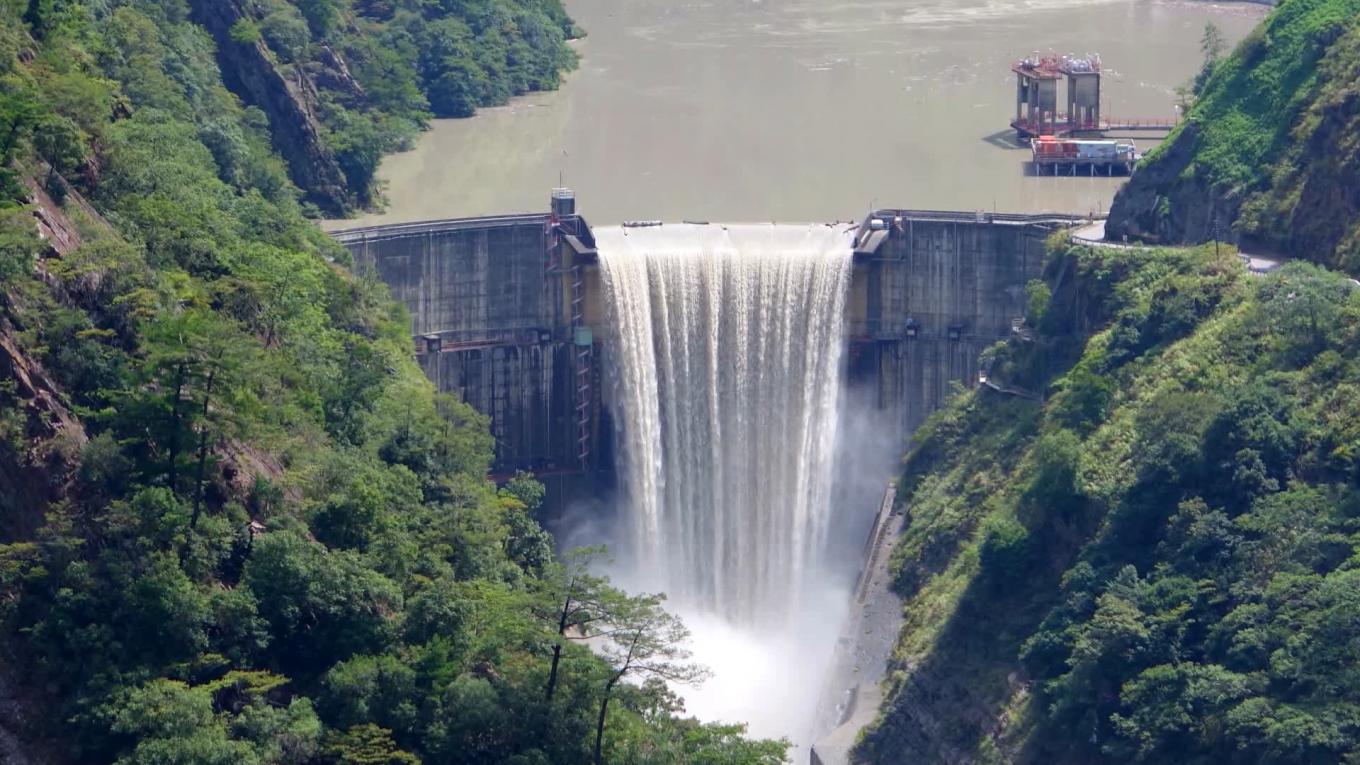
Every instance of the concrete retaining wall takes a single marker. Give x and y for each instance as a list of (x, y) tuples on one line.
[(490, 296)]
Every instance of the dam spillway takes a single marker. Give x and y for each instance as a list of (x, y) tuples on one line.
[(726, 377), (508, 313)]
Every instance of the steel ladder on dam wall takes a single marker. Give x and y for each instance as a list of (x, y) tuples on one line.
[(583, 368)]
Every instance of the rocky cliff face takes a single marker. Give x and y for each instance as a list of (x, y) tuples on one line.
[(1170, 200), (34, 473), (291, 103), (37, 462)]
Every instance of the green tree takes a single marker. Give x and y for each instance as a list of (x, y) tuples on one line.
[(366, 745), (1054, 491), (527, 544), (195, 386), (577, 604), (285, 735), (643, 641), (19, 245), (321, 15), (1302, 304), (174, 723), (719, 744), (370, 689), (321, 606), (62, 145), (18, 114), (1211, 45), (1174, 709), (1037, 297)]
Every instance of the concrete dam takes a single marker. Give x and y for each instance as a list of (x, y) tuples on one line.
[(509, 313), (729, 398)]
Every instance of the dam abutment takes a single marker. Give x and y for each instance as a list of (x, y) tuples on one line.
[(939, 288)]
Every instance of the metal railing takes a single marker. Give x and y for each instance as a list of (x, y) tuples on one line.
[(398, 230)]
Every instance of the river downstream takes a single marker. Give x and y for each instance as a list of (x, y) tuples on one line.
[(799, 110)]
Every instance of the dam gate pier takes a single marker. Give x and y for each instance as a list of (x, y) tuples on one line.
[(507, 313)]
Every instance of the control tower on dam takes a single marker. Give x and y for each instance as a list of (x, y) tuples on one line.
[(508, 313)]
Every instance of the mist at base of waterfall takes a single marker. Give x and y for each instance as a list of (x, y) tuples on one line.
[(770, 680), (778, 681), (774, 680)]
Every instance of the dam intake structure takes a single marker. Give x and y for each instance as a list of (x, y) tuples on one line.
[(726, 376)]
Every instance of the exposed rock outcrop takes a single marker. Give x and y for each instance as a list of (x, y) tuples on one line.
[(1168, 200), (291, 103), (56, 227), (38, 459), (36, 464), (333, 72)]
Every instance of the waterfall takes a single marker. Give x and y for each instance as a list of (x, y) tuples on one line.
[(725, 356)]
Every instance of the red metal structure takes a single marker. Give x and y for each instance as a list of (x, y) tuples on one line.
[(1036, 96), (1036, 99)]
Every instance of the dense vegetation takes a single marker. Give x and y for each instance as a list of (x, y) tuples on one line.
[(237, 524), (384, 67), (1269, 149), (369, 73), (1158, 563), (1152, 554)]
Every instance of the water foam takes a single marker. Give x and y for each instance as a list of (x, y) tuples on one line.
[(726, 346)]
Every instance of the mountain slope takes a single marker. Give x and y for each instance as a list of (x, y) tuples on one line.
[(1158, 563), (1269, 148), (237, 524), (339, 83)]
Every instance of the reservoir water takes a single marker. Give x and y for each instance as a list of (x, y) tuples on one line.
[(799, 110)]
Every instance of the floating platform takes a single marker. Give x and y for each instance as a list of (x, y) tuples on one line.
[(1068, 156)]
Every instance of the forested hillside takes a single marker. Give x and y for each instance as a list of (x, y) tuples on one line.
[(237, 525), (335, 84), (375, 71), (1160, 562), (1270, 149)]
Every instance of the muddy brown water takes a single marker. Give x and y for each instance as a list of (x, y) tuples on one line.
[(799, 110)]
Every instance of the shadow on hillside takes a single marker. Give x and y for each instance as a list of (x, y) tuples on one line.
[(953, 701)]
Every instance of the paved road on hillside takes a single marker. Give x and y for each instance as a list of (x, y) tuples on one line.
[(1093, 233)]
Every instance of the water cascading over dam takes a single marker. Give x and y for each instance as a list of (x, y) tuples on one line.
[(726, 371)]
